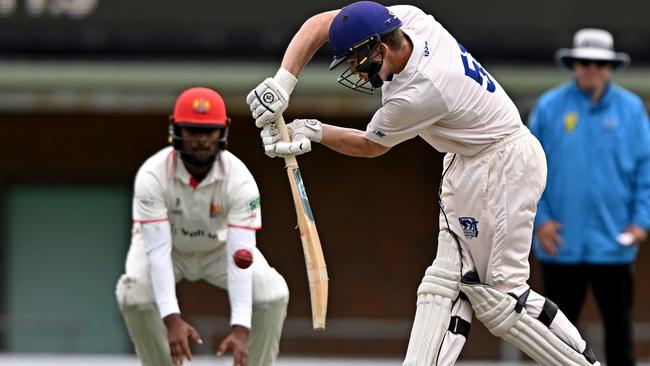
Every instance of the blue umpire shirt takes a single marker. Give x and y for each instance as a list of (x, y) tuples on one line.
[(598, 172)]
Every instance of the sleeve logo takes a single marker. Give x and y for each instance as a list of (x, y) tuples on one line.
[(254, 204), (379, 133)]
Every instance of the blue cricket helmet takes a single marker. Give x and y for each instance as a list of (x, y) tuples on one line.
[(356, 24)]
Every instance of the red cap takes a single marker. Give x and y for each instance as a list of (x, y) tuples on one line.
[(200, 107)]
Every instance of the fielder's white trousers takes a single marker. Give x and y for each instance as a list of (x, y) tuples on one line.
[(135, 292)]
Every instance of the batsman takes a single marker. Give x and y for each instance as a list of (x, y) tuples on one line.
[(494, 172)]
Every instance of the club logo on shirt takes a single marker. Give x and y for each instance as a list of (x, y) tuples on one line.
[(215, 210), (470, 227), (177, 208), (570, 121)]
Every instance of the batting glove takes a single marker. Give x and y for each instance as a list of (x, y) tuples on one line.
[(270, 136), (302, 132), (269, 99)]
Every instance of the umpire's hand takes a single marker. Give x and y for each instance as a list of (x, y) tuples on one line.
[(549, 236)]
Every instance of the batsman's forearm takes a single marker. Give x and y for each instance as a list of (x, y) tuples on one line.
[(312, 35), (350, 141)]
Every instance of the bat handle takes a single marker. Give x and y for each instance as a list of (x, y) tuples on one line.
[(289, 160), (282, 127)]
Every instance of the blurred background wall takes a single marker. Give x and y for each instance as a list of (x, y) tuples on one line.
[(86, 87)]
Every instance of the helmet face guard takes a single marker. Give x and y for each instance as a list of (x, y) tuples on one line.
[(355, 32), (188, 156), (363, 52)]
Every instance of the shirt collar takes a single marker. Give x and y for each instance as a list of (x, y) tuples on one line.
[(414, 60), (604, 99), (215, 174)]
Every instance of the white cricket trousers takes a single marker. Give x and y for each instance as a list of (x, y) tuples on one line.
[(148, 333), (489, 200)]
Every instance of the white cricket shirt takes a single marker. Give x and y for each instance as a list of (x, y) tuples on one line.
[(199, 215), (220, 210), (443, 94)]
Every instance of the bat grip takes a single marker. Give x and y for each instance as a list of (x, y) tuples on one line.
[(282, 127), (289, 160)]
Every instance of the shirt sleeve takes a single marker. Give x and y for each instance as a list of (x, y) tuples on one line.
[(535, 122), (148, 201), (641, 215), (406, 115), (245, 209), (158, 246), (240, 281)]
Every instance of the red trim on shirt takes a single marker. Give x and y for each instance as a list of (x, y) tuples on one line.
[(193, 183), (153, 220), (246, 227)]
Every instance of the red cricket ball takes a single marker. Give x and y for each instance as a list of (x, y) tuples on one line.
[(243, 258)]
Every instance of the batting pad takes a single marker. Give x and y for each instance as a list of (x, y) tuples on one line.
[(436, 294), (505, 318)]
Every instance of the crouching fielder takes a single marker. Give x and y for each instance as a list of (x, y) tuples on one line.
[(495, 172), (196, 209)]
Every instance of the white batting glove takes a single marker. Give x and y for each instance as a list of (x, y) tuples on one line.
[(270, 136), (311, 129), (302, 132), (269, 99)]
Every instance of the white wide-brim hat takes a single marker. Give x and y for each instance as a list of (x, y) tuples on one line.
[(592, 44)]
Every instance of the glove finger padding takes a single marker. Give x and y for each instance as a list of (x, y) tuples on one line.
[(250, 98), (270, 134), (257, 109), (269, 150), (272, 99), (297, 147)]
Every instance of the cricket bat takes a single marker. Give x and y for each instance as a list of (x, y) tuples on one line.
[(314, 259)]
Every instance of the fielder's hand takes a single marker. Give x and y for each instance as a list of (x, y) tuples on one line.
[(237, 342), (302, 133), (178, 332), (269, 99)]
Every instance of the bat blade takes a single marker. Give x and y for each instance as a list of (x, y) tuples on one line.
[(314, 258)]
